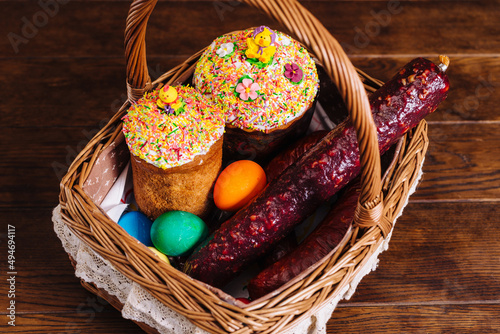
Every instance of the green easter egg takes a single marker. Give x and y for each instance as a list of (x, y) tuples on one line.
[(176, 233)]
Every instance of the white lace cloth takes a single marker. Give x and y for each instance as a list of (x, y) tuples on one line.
[(140, 306)]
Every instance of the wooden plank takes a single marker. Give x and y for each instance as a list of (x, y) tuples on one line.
[(45, 280), (364, 27), (481, 318), (474, 85), (28, 187), (49, 147), (89, 92), (437, 253), (461, 164), (81, 320), (395, 319), (91, 31)]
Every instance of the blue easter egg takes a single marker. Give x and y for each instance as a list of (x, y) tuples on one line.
[(137, 225), (176, 233)]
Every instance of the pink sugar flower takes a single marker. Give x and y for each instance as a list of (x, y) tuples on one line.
[(247, 89)]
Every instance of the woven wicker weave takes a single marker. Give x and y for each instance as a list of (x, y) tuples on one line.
[(380, 202)]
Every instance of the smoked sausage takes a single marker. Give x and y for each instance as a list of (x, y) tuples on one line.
[(399, 105)]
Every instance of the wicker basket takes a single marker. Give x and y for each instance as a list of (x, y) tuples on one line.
[(381, 200)]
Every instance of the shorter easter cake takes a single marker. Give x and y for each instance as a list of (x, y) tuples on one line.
[(174, 135), (266, 84)]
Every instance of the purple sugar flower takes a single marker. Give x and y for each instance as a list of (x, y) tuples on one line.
[(293, 72), (169, 110)]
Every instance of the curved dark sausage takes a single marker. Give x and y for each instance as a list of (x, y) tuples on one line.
[(325, 237), (291, 154), (414, 92)]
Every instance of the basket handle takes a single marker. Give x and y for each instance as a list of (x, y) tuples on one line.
[(308, 30)]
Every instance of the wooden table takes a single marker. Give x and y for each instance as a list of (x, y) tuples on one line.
[(63, 76)]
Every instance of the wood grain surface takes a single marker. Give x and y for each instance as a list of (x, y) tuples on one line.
[(66, 78)]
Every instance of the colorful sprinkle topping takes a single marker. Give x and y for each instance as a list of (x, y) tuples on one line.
[(279, 99), (169, 139)]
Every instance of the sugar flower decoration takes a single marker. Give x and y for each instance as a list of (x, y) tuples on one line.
[(225, 49), (293, 72), (169, 110), (247, 89), (283, 40)]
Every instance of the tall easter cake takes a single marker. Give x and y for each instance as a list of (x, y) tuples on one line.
[(175, 139), (266, 84)]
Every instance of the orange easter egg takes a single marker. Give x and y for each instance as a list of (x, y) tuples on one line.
[(238, 184)]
